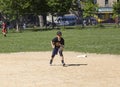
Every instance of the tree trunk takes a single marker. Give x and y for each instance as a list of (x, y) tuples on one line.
[(44, 19), (17, 27), (41, 21), (52, 22)]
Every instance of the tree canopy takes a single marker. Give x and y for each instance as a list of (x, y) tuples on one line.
[(59, 7), (13, 9), (89, 8), (116, 8), (34, 6)]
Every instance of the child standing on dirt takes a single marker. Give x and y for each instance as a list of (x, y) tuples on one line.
[(4, 29), (57, 44)]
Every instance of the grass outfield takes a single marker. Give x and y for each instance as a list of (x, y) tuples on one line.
[(86, 40)]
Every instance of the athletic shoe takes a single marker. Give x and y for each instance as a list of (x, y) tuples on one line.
[(5, 35), (51, 62), (63, 64)]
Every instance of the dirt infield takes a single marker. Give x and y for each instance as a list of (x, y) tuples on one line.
[(32, 69)]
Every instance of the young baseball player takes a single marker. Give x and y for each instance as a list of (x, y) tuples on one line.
[(57, 44), (4, 29)]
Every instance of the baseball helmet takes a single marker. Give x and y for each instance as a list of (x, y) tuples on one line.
[(59, 33)]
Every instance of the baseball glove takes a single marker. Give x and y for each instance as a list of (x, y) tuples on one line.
[(57, 44)]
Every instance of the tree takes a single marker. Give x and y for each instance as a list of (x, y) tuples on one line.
[(116, 11), (59, 7), (90, 1), (83, 8), (89, 9), (18, 8), (39, 8), (116, 8), (14, 9)]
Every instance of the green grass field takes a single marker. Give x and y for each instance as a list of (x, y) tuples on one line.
[(105, 41)]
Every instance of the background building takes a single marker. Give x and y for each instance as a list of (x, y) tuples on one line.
[(105, 11)]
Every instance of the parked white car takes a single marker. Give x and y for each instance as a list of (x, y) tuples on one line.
[(66, 20)]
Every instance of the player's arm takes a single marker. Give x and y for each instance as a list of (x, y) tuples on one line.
[(52, 44)]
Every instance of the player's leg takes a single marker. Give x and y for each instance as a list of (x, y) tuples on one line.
[(4, 32), (51, 60), (54, 52), (63, 61), (61, 55)]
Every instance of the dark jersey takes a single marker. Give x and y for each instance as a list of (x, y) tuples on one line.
[(56, 41)]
